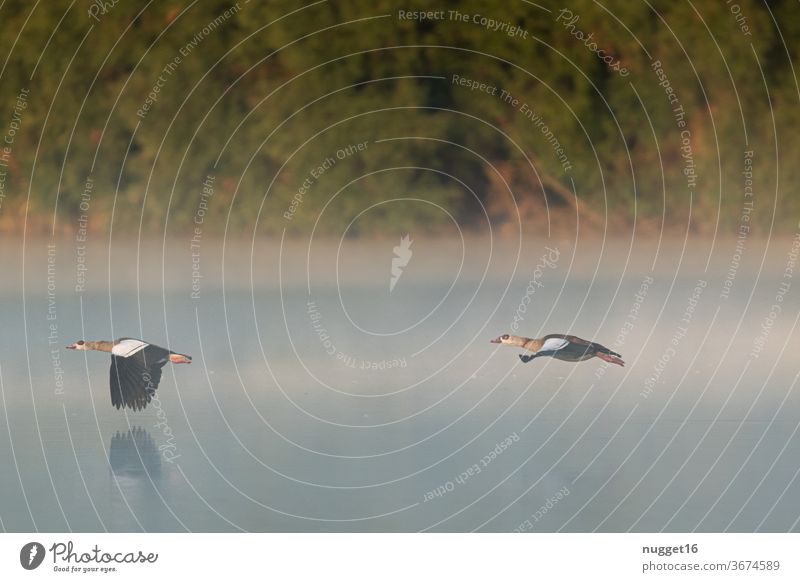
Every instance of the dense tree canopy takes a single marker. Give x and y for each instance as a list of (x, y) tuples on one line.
[(626, 111)]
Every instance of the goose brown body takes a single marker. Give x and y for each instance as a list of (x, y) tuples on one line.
[(568, 348)]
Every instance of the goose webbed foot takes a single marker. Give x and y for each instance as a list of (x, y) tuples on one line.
[(525, 359)]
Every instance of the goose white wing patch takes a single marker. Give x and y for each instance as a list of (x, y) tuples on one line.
[(128, 347), (553, 344)]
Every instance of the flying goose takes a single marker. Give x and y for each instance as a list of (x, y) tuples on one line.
[(562, 347), (135, 368)]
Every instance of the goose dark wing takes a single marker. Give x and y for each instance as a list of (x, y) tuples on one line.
[(592, 346), (133, 382)]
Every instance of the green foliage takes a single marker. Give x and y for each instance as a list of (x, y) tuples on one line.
[(261, 98)]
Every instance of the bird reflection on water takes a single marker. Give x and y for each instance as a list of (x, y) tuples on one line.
[(142, 496), (133, 456)]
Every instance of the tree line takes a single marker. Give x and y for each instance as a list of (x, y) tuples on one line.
[(363, 115)]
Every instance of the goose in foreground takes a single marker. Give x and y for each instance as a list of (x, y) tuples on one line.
[(562, 347), (135, 368)]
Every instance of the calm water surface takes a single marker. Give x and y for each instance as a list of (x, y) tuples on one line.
[(318, 400)]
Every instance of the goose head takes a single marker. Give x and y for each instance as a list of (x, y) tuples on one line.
[(509, 340)]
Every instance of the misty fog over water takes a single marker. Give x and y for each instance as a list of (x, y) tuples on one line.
[(320, 400)]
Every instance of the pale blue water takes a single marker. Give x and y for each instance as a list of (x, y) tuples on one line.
[(267, 431)]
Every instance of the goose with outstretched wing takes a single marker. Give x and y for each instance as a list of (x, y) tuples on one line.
[(569, 348), (135, 368)]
